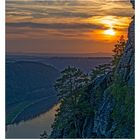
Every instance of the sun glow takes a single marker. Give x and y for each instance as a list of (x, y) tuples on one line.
[(110, 32)]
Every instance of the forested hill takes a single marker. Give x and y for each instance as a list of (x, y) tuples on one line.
[(104, 107), (29, 89)]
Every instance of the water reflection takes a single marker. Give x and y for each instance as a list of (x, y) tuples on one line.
[(33, 128)]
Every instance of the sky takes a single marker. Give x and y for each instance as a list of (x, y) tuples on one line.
[(66, 26)]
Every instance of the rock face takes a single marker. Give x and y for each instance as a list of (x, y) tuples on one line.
[(102, 124), (125, 69), (103, 104), (126, 65)]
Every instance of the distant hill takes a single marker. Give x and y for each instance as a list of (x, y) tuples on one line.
[(97, 54), (29, 85), (86, 64)]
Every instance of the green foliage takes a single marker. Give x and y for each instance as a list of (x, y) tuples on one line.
[(70, 83), (72, 134), (123, 112), (100, 70), (118, 51), (74, 106)]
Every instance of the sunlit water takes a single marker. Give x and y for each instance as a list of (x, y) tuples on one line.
[(33, 128)]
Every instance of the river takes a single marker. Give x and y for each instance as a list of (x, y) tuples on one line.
[(34, 127)]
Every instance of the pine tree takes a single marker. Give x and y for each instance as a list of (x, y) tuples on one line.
[(118, 51), (71, 81), (100, 70), (70, 88)]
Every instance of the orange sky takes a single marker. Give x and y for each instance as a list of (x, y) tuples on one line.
[(76, 26)]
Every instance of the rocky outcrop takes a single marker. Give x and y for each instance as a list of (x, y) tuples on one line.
[(100, 98), (127, 64), (102, 124)]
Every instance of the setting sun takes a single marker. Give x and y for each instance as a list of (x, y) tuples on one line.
[(110, 32)]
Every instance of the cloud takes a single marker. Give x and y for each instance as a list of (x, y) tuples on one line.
[(57, 25), (68, 8), (36, 24)]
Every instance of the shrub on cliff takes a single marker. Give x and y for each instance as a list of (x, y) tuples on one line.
[(118, 51), (100, 70), (123, 112)]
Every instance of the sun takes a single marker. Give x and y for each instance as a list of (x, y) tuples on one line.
[(110, 32)]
